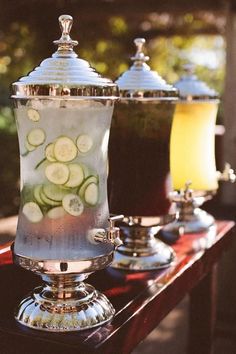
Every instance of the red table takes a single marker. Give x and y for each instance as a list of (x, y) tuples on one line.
[(141, 301)]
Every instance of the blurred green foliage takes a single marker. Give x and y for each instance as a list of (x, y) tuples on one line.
[(110, 56), (15, 46), (106, 41)]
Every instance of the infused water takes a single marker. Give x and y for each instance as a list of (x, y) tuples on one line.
[(63, 148)]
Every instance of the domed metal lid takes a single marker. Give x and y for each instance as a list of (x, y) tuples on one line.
[(64, 74), (141, 82), (191, 88)]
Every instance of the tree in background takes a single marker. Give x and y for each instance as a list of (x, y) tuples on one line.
[(27, 30)]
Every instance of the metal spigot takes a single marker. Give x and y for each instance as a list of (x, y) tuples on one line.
[(227, 175), (111, 234), (184, 195)]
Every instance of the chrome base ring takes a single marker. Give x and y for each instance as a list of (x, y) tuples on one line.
[(161, 258), (198, 222), (141, 250), (64, 306)]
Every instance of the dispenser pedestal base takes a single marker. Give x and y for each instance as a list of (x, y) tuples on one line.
[(162, 258), (196, 221), (141, 250), (64, 304)]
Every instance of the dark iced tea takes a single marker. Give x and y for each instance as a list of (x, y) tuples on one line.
[(139, 179)]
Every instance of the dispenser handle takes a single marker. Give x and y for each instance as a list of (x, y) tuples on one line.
[(111, 234), (113, 219), (228, 174), (184, 196)]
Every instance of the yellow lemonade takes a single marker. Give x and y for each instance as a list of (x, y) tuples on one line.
[(192, 146)]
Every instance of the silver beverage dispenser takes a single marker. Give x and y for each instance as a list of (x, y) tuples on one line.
[(63, 110), (139, 179)]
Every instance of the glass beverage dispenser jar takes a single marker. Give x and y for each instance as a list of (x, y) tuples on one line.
[(139, 164), (63, 110), (192, 156)]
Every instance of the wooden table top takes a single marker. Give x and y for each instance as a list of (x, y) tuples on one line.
[(141, 300)]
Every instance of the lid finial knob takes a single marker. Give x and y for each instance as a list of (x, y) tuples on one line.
[(189, 68), (139, 57), (65, 43)]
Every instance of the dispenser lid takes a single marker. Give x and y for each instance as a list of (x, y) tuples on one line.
[(192, 88), (64, 74), (139, 81)]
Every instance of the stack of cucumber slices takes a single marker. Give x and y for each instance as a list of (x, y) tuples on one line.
[(70, 186)]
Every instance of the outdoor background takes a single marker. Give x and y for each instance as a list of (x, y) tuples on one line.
[(177, 32), (105, 31)]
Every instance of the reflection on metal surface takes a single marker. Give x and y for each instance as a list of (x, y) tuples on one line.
[(205, 242), (64, 266), (140, 249), (63, 305), (189, 217), (64, 74), (139, 82)]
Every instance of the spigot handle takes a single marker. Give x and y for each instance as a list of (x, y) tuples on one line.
[(188, 193), (111, 234), (113, 219), (227, 175), (184, 196)]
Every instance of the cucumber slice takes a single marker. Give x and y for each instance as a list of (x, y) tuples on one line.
[(29, 147), (56, 213), (33, 212), (73, 204), (90, 179), (57, 173), (91, 194), (65, 149), (33, 115), (36, 137), (54, 192), (86, 170), (84, 143), (37, 195), (76, 175), (47, 200), (49, 152)]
